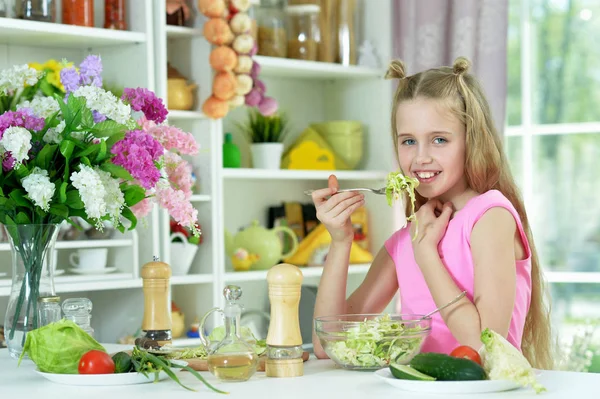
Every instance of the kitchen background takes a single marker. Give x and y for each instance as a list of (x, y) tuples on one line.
[(322, 62)]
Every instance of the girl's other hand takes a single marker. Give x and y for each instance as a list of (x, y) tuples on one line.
[(334, 210), (432, 218)]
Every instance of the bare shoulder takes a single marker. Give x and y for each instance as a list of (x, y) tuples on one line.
[(494, 222), (496, 231)]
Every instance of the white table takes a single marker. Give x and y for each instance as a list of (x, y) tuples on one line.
[(322, 379)]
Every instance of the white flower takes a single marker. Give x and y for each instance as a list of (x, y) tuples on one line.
[(113, 197), (39, 188), (100, 194), (105, 103), (91, 191), (53, 134), (17, 140), (43, 107), (17, 77)]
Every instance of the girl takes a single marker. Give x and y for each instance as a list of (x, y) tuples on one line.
[(473, 232)]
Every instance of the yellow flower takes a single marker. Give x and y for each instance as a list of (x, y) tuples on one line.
[(36, 65)]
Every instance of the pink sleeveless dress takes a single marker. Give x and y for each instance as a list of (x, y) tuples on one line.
[(455, 253)]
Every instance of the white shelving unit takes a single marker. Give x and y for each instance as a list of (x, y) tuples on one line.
[(228, 199)]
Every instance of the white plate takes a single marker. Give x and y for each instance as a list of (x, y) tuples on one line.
[(446, 387), (104, 379), (92, 271)]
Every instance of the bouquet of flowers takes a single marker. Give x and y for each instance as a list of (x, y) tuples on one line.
[(81, 152)]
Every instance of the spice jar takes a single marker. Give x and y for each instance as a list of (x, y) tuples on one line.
[(252, 11), (48, 310), (79, 311), (114, 14), (272, 39), (347, 21), (303, 32), (36, 10), (78, 12)]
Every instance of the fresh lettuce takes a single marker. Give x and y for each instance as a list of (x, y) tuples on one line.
[(502, 361), (396, 184), (375, 343)]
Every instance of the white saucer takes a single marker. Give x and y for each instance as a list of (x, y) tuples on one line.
[(92, 271), (58, 272), (2, 274)]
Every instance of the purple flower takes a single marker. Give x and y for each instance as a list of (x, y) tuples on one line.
[(90, 71), (8, 162), (137, 153), (144, 100), (70, 79), (22, 118), (98, 117)]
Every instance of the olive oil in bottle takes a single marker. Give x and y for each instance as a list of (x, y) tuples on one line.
[(233, 366)]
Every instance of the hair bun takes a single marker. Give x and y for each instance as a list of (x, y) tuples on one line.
[(396, 70), (461, 65)]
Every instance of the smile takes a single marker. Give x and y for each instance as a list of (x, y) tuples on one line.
[(426, 177)]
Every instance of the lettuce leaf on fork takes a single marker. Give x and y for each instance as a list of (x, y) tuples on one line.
[(397, 183), (502, 361)]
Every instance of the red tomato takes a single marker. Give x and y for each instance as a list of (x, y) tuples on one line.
[(96, 362), (467, 352)]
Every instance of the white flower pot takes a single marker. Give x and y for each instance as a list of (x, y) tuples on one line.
[(266, 155), (182, 255)]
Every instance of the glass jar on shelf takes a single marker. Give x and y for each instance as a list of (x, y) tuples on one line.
[(36, 10), (3, 8), (303, 32), (346, 31), (78, 12), (272, 38), (254, 5), (114, 14)]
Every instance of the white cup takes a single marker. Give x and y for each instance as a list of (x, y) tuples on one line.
[(89, 258)]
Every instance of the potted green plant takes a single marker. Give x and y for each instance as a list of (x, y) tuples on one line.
[(266, 135)]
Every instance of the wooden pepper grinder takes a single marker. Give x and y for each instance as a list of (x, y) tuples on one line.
[(156, 324), (284, 341)]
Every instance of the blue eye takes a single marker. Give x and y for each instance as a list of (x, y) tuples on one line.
[(409, 142), (440, 140)]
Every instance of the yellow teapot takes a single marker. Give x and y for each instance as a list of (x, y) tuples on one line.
[(263, 242), (180, 94)]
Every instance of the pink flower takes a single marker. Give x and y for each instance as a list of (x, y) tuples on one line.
[(170, 137), (180, 209), (142, 208), (137, 153), (142, 99), (179, 173)]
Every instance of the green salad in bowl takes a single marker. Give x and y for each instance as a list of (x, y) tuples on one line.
[(371, 341)]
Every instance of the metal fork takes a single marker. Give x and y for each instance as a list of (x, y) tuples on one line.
[(372, 190)]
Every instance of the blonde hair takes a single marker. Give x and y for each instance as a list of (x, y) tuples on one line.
[(486, 168)]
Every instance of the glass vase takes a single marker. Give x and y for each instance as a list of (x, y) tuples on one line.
[(32, 247)]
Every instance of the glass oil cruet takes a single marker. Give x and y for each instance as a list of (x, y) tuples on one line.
[(232, 359)]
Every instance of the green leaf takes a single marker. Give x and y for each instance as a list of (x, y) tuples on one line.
[(62, 192), (108, 128), (102, 153), (46, 88), (22, 172), (128, 214), (86, 161), (19, 197), (66, 148), (74, 200), (115, 138), (44, 157), (134, 194), (60, 210), (87, 118), (89, 150), (64, 108), (116, 171), (22, 218), (77, 105), (1, 192)]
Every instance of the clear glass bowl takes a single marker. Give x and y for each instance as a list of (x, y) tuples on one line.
[(372, 341)]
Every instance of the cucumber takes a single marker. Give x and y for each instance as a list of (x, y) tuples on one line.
[(122, 362), (403, 372), (443, 367)]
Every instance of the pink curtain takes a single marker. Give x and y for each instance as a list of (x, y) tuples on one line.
[(430, 33)]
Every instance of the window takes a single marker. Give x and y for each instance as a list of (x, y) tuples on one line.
[(553, 144)]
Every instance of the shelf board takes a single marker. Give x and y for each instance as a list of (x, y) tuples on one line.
[(572, 277), (181, 342), (287, 174), (261, 275), (46, 34), (75, 244), (180, 32), (74, 283), (200, 198), (192, 279), (176, 114), (286, 67)]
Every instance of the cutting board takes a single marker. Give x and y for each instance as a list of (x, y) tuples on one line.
[(200, 364)]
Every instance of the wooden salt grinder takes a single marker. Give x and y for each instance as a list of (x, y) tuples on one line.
[(156, 324), (284, 340)]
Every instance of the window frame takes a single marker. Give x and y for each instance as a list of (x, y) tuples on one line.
[(528, 130)]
